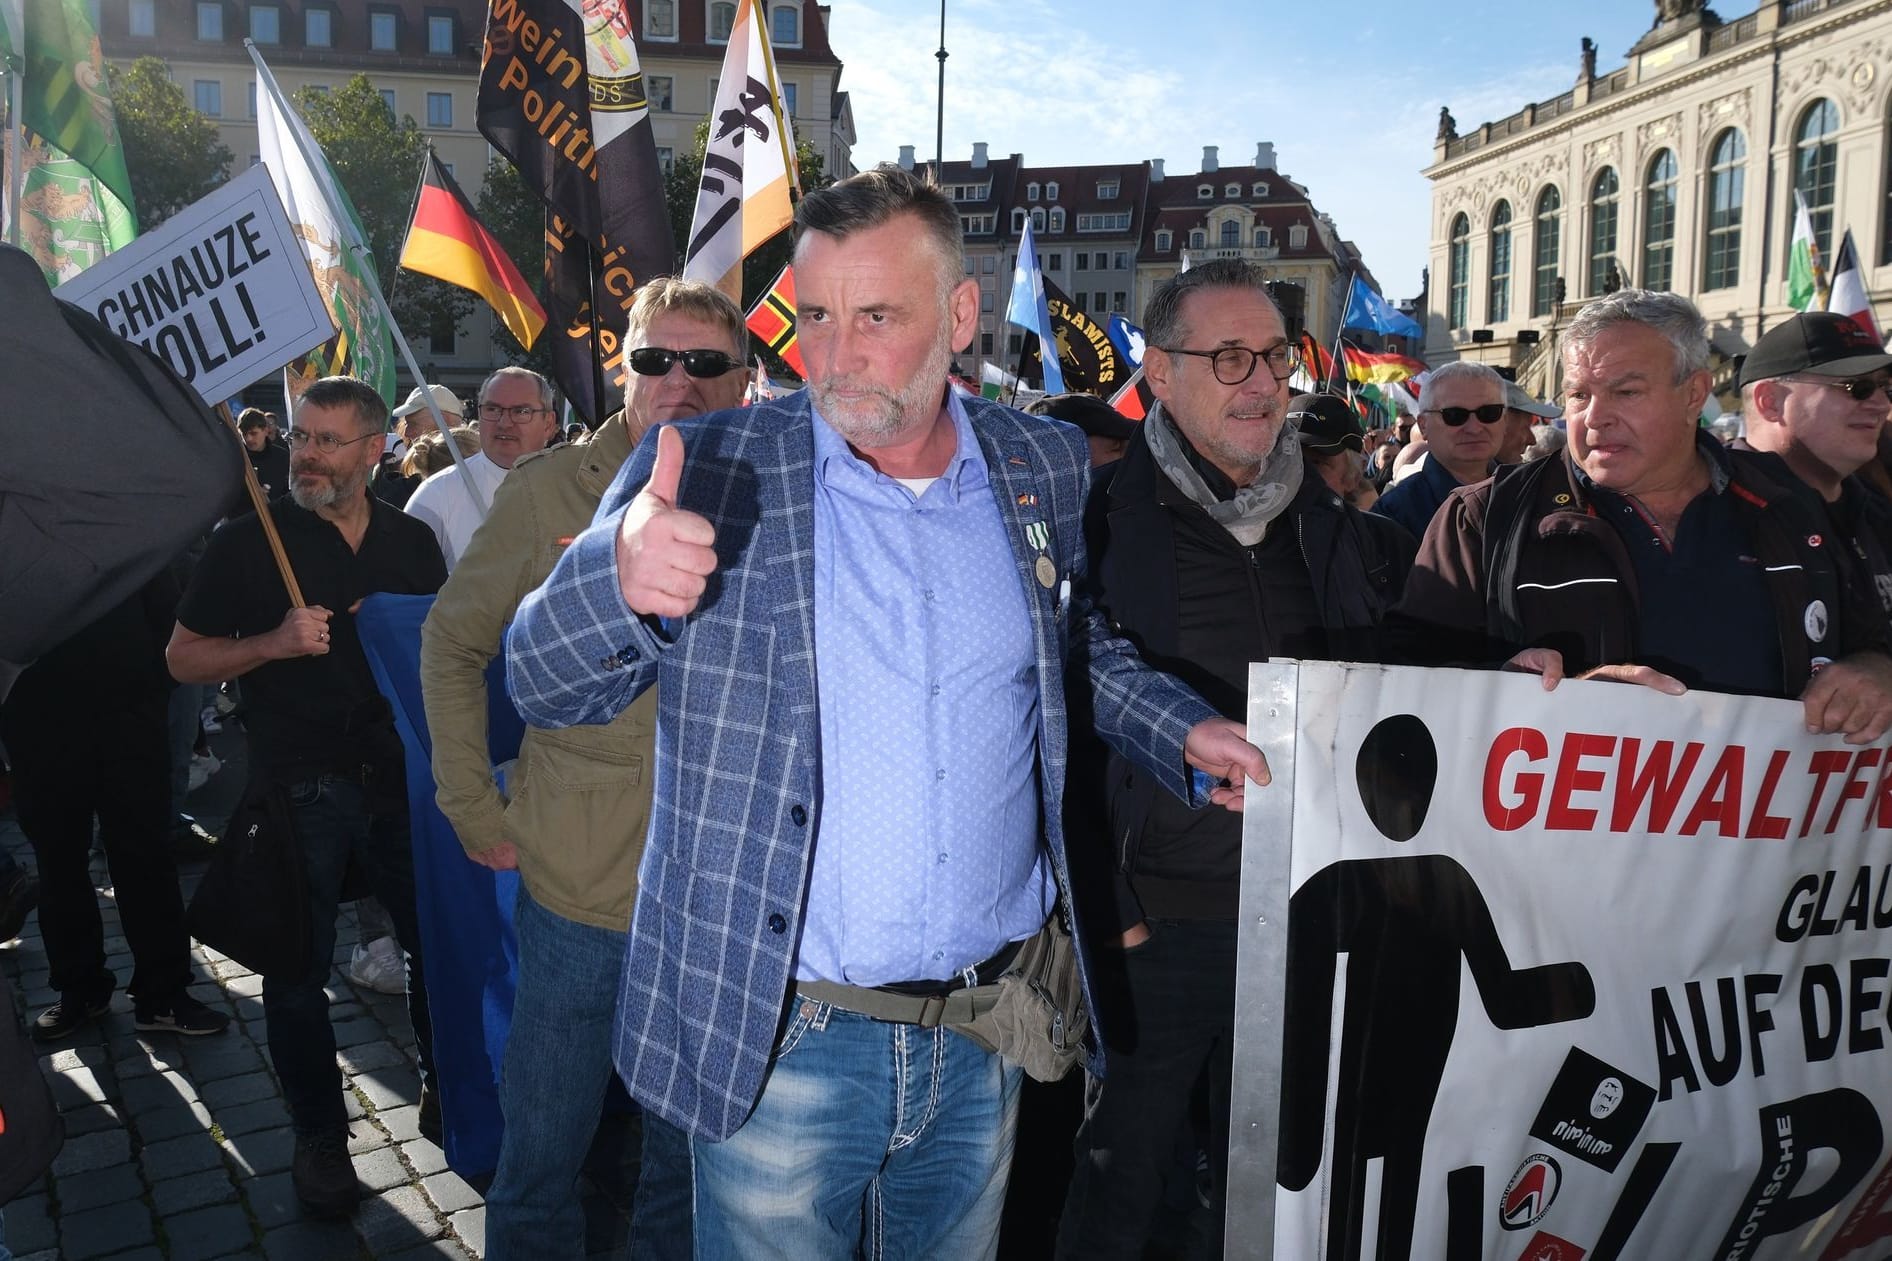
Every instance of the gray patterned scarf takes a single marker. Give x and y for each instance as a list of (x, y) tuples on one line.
[(1247, 516)]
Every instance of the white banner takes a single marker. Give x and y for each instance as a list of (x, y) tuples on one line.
[(1589, 975), (221, 291)]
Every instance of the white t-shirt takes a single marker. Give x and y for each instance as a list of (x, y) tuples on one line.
[(442, 502)]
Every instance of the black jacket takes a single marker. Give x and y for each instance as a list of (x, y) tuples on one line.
[(1357, 564), (1524, 560)]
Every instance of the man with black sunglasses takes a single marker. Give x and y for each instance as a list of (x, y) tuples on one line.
[(1462, 419), (572, 817), (1816, 391)]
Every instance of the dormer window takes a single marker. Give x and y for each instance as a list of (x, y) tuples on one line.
[(1233, 190), (1031, 192), (1205, 191), (1163, 240), (1107, 190), (1038, 221), (1297, 237), (1051, 191), (1198, 239), (1263, 238), (1018, 219), (1261, 188), (1057, 218)]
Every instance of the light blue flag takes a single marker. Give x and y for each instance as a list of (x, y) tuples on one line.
[(1366, 309), (1028, 310)]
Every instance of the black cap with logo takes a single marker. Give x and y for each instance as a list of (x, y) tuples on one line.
[(1819, 343), (1326, 423)]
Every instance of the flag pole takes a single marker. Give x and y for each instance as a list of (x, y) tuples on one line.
[(597, 351), (16, 152), (939, 125), (261, 504), (267, 81), (413, 207)]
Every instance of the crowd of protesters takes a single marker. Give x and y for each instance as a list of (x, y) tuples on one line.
[(841, 707)]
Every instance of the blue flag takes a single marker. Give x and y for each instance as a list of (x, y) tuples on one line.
[(1366, 309), (1028, 310), (1127, 338)]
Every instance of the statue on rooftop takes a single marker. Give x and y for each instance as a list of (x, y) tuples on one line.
[(1448, 126)]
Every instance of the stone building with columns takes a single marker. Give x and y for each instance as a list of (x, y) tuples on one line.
[(1676, 170)]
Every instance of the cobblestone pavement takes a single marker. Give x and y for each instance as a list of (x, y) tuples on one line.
[(179, 1147)]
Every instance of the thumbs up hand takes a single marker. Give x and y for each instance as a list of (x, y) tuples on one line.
[(665, 554)]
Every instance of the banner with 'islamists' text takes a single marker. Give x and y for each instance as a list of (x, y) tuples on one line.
[(1584, 975), (221, 291)]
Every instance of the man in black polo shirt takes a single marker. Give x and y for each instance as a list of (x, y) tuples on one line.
[(318, 726)]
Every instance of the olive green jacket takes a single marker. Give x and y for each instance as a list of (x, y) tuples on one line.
[(580, 796)]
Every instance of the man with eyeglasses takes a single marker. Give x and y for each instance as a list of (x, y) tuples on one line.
[(1462, 420), (1214, 543), (1649, 553), (1816, 391), (517, 417), (320, 729), (577, 804)]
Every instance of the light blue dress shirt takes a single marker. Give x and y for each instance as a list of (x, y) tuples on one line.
[(927, 860)]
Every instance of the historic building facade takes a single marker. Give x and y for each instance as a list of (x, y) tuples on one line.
[(1109, 234), (1676, 170)]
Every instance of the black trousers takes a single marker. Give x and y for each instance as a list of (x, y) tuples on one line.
[(1168, 1009), (74, 762)]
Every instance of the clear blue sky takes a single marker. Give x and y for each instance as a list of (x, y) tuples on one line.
[(1348, 92)]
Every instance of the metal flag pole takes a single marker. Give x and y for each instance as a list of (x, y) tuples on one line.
[(939, 125)]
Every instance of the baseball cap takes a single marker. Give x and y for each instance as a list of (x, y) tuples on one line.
[(1326, 423), (1816, 342), (1095, 417), (444, 398), (1515, 397)]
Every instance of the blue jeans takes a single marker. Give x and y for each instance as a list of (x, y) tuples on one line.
[(333, 823), (871, 1139), (551, 1091)]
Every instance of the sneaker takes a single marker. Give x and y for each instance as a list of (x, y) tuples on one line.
[(72, 1013), (428, 1121), (185, 1016), (208, 720), (323, 1175), (190, 839), (379, 966), (19, 894)]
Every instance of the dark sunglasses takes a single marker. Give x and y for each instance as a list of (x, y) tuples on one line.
[(654, 361), (1489, 414), (1859, 389)]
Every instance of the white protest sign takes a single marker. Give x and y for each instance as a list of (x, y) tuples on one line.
[(221, 291), (1595, 974)]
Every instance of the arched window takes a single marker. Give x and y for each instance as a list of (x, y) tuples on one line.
[(1198, 239), (1163, 240), (1604, 192), (1498, 295), (1458, 301), (1038, 220), (1057, 218), (785, 24), (1546, 240), (1031, 192), (1231, 233), (1815, 159), (1051, 191), (722, 19), (1727, 157), (1658, 223), (1263, 237)]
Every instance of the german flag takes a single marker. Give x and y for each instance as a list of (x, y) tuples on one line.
[(773, 320), (1379, 369), (448, 242)]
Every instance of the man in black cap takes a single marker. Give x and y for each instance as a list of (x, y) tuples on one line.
[(1817, 392), (1333, 445), (1108, 430)]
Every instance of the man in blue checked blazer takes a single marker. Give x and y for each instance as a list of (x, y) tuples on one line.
[(859, 604)]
